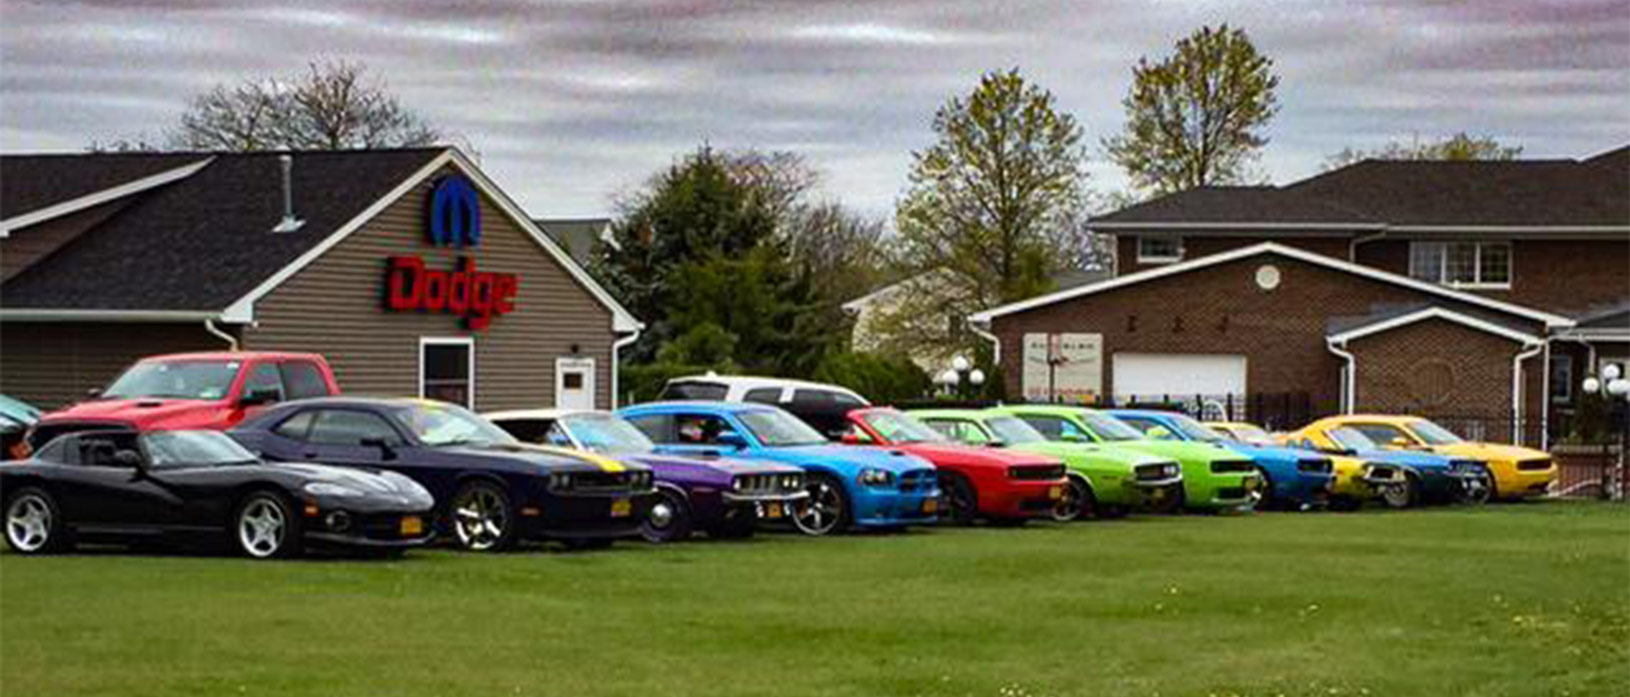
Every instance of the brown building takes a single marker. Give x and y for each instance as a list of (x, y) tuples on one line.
[(409, 270), (1478, 292)]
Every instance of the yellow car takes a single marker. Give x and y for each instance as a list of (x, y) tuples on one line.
[(1517, 472), (1356, 480)]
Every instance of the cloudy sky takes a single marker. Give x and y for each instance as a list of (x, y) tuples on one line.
[(569, 101)]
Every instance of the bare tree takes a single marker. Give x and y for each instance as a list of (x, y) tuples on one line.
[(332, 106)]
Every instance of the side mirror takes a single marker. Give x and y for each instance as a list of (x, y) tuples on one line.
[(257, 397), (731, 439), (385, 449), (130, 459)]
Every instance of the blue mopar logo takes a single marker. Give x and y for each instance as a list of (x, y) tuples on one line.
[(455, 213)]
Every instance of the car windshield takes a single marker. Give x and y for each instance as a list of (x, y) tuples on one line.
[(1246, 433), (1012, 430), (1107, 427), (175, 380), (1193, 430), (604, 433), (193, 448), (1432, 433), (779, 429), (895, 427), (438, 424), (1352, 439)]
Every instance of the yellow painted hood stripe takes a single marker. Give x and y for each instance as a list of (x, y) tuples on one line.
[(605, 464)]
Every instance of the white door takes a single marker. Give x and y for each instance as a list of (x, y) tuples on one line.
[(574, 383), (1150, 375)]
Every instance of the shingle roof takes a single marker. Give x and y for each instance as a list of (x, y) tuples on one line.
[(578, 236), (31, 182), (1539, 193), (204, 241)]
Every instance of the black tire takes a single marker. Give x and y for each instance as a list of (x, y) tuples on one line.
[(1078, 503), (34, 523), (828, 510), (265, 525), (961, 500), (1477, 493), (669, 519), (1264, 491), (1401, 496), (482, 517)]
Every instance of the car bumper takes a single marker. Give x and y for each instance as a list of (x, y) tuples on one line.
[(887, 508), (1304, 489), (584, 517), (1033, 499), (1516, 484), (1221, 493), (1154, 494), (361, 542)]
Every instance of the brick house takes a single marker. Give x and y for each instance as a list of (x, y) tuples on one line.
[(1476, 290)]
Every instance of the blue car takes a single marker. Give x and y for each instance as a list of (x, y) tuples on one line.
[(849, 486), (1431, 478), (1291, 477)]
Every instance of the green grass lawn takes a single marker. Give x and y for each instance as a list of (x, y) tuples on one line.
[(1529, 599)]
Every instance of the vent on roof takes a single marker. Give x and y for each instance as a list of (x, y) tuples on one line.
[(289, 222)]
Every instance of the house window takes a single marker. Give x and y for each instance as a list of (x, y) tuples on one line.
[(447, 370), (1471, 264), (1562, 378), (1159, 249)]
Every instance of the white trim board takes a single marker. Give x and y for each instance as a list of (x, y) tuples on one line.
[(242, 310), (1434, 313), (55, 315), (1282, 250), (98, 198)]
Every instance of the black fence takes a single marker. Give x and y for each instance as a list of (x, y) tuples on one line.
[(1280, 411)]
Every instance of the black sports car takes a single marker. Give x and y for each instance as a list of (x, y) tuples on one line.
[(203, 486), (490, 489)]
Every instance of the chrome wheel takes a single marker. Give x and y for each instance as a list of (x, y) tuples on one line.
[(1073, 505), (28, 523), (1399, 495), (1475, 490), (480, 518), (825, 509), (262, 526), (668, 520)]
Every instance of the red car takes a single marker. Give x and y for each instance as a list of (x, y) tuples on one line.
[(1001, 486), (192, 391)]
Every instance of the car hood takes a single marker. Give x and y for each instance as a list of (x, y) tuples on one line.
[(143, 413), (1492, 452), (968, 455), (1106, 453), (384, 484), (881, 457), (1275, 452), (724, 465), (1182, 451), (544, 457)]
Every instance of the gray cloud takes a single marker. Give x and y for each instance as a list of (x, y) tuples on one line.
[(569, 101)]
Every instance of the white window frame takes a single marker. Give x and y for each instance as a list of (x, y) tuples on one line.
[(1143, 259), (466, 341), (1477, 264)]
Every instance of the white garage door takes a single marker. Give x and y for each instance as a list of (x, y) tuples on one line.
[(1155, 374)]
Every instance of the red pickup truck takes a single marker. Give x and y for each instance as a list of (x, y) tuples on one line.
[(192, 391)]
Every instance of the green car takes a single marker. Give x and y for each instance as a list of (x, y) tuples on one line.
[(1106, 482), (1214, 477)]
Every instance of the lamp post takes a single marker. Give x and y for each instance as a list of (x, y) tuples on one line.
[(960, 373), (1615, 388)]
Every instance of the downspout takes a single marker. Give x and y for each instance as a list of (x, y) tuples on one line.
[(1545, 399), (1516, 389), (995, 343), (1348, 373), (1352, 247), (616, 361), (231, 341)]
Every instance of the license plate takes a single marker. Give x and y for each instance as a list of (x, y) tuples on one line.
[(930, 505), (1056, 492), (622, 508), (772, 510), (412, 526)]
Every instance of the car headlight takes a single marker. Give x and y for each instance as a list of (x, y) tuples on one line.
[(872, 476), (1171, 470), (560, 480), (791, 482), (331, 489)]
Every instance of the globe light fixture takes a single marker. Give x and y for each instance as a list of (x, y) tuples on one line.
[(961, 364), (1619, 387), (1592, 385), (950, 378), (1610, 372), (976, 378)]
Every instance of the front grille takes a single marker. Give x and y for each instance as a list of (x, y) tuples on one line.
[(597, 482), (1534, 465), (1035, 472), (911, 481), (1157, 471), (388, 527), (768, 484), (1232, 466), (1314, 466)]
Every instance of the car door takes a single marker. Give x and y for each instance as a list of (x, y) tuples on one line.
[(102, 494)]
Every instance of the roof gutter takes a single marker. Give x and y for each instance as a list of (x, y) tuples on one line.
[(616, 360), (1352, 247), (231, 341), (995, 343), (154, 316), (1531, 349)]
